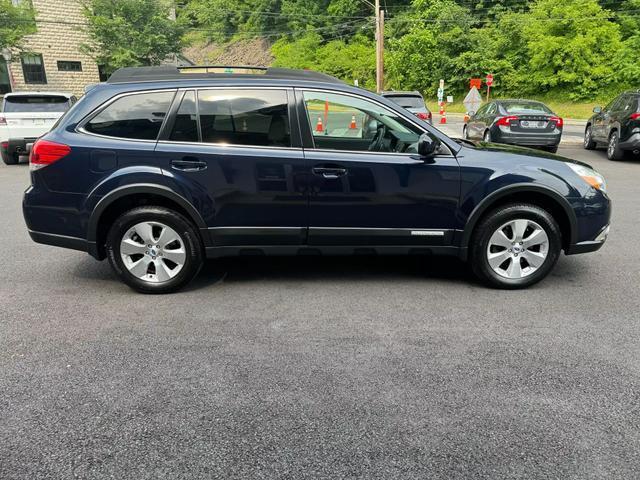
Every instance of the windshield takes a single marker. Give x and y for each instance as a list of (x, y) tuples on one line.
[(525, 107), (36, 103), (407, 101)]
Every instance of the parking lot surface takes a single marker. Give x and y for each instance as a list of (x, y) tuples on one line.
[(321, 368)]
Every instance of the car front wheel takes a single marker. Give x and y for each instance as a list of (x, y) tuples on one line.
[(487, 137), (154, 249), (589, 143), (515, 246)]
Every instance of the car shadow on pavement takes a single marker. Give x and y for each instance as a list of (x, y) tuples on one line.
[(327, 268)]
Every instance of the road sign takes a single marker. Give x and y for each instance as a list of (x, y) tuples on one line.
[(489, 80), (475, 82), (449, 99), (473, 100), (442, 83), (440, 94)]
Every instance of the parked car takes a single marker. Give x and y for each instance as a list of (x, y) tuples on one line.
[(617, 125), (516, 122), (24, 116), (156, 170), (412, 101)]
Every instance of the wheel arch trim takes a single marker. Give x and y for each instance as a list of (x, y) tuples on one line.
[(133, 189), (491, 200)]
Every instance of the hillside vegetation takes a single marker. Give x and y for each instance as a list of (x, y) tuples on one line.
[(576, 50)]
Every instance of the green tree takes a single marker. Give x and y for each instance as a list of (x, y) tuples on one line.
[(570, 47), (127, 33), (15, 23)]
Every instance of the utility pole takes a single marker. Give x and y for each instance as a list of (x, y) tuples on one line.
[(379, 47)]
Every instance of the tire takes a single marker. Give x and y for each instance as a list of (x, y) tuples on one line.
[(515, 271), (10, 159), (589, 143), (552, 149), (151, 270), (614, 152), (486, 138), (465, 132)]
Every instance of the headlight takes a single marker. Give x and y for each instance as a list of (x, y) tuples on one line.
[(590, 176)]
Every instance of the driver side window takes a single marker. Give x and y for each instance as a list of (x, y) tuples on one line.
[(343, 122)]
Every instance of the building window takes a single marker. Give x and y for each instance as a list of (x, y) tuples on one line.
[(69, 66), (33, 69)]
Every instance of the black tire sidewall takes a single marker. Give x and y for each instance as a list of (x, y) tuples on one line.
[(492, 222), (618, 153), (181, 225), (590, 145)]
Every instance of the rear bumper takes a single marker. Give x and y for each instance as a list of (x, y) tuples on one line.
[(16, 147), (632, 143), (527, 139)]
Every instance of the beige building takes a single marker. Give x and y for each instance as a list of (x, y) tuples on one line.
[(54, 61)]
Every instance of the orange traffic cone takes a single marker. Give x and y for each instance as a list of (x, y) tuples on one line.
[(443, 118), (353, 125), (319, 127)]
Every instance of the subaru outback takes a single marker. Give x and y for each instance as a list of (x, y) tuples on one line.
[(159, 168)]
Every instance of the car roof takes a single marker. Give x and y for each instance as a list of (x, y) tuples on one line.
[(401, 93), (39, 94), (214, 72), (518, 100)]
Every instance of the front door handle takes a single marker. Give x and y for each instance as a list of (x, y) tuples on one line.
[(329, 172), (188, 165)]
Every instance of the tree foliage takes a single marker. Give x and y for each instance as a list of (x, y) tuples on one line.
[(15, 23), (569, 48), (127, 33)]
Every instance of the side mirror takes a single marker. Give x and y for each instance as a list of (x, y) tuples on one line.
[(597, 109), (427, 146)]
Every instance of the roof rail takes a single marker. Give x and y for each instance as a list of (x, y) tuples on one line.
[(171, 72)]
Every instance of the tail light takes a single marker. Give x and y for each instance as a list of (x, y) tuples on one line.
[(423, 116), (4, 145), (45, 152), (635, 116), (506, 121), (3, 121), (558, 120)]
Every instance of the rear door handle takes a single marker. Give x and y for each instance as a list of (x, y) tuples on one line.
[(329, 172), (188, 165)]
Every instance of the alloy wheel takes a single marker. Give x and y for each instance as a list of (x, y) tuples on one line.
[(153, 252), (587, 137), (613, 144), (518, 248), (487, 137)]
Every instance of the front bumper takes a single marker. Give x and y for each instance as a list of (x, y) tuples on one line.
[(589, 245)]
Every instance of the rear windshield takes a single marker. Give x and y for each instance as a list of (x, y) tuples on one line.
[(36, 103), (407, 101), (524, 108)]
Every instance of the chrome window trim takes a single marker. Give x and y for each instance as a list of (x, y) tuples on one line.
[(81, 124), (350, 94), (224, 145)]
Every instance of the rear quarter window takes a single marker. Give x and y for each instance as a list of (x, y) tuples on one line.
[(137, 116), (407, 101), (35, 103)]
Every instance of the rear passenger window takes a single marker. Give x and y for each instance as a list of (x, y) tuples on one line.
[(185, 127), (138, 116), (244, 117)]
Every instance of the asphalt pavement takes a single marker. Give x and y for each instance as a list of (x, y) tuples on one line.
[(372, 368)]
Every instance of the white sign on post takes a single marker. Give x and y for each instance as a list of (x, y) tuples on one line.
[(449, 99), (473, 100)]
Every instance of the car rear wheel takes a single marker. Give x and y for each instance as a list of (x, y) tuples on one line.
[(515, 246), (614, 152), (589, 143), (465, 132), (553, 149), (487, 137), (154, 250)]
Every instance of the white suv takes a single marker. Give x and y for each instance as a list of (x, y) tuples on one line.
[(25, 116)]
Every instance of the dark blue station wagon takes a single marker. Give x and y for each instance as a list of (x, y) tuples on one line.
[(158, 168)]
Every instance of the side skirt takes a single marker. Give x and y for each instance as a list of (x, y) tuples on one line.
[(328, 250)]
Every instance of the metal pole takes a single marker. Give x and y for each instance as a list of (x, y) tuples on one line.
[(379, 47)]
